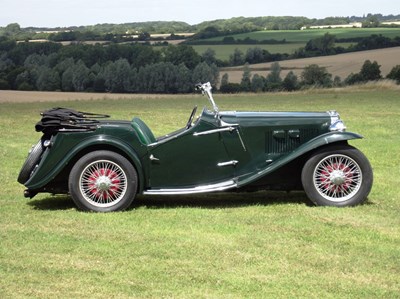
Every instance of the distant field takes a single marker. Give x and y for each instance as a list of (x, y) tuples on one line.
[(338, 65), (303, 36), (294, 38), (15, 96), (223, 52)]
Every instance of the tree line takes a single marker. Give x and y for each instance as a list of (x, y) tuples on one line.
[(312, 76), (142, 68), (113, 68)]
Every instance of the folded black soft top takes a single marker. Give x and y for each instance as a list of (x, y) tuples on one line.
[(67, 120)]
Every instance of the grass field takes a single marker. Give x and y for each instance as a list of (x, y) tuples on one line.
[(257, 245), (295, 39), (303, 36), (223, 52)]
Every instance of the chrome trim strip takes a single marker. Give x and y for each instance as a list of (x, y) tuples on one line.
[(230, 129), (225, 124), (200, 189), (229, 163)]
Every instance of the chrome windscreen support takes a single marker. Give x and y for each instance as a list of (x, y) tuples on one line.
[(225, 129), (206, 90), (241, 140)]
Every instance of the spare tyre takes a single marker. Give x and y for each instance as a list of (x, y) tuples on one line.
[(33, 159)]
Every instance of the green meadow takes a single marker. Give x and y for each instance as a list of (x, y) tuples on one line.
[(303, 36), (231, 245), (295, 39), (223, 52)]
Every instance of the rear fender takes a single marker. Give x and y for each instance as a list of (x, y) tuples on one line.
[(56, 158)]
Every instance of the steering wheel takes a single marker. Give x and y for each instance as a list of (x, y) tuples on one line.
[(189, 123)]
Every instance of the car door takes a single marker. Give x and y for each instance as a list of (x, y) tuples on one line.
[(238, 152), (194, 157)]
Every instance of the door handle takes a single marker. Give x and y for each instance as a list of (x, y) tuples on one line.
[(152, 158)]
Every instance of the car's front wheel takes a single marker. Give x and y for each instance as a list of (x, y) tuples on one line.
[(337, 176), (103, 181)]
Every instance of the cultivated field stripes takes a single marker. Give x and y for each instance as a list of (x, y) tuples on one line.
[(340, 65)]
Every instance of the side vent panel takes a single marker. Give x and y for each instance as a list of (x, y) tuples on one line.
[(285, 141)]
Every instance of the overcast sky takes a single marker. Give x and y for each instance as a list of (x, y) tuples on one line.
[(63, 13)]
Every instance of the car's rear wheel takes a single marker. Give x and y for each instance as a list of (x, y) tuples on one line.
[(31, 161), (337, 176), (103, 181)]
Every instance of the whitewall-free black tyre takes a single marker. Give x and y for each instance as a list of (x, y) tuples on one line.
[(33, 159)]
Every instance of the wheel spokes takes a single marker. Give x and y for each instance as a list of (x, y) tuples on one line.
[(103, 183), (337, 177)]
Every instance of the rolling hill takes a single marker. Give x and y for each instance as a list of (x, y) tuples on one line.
[(338, 65)]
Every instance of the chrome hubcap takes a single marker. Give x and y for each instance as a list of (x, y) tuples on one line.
[(103, 183), (337, 177)]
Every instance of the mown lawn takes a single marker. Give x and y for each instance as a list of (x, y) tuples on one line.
[(257, 245)]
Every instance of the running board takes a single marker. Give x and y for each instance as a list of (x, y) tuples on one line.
[(200, 189)]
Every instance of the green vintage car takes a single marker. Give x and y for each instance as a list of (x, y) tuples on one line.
[(104, 164)]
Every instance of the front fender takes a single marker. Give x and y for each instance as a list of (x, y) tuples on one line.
[(328, 138), (324, 139), (67, 147)]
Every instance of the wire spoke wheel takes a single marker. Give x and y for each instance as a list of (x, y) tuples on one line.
[(337, 178), (103, 183), (338, 175)]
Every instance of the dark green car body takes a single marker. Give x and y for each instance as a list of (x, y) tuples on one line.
[(260, 142), (220, 151)]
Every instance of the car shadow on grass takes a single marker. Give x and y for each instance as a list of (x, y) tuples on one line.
[(205, 201), (54, 202), (221, 200)]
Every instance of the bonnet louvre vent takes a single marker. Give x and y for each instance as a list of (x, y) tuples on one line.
[(285, 141)]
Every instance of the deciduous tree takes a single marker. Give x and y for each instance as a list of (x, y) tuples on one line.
[(274, 80), (370, 71), (245, 83), (237, 58), (395, 74), (290, 82), (313, 74)]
